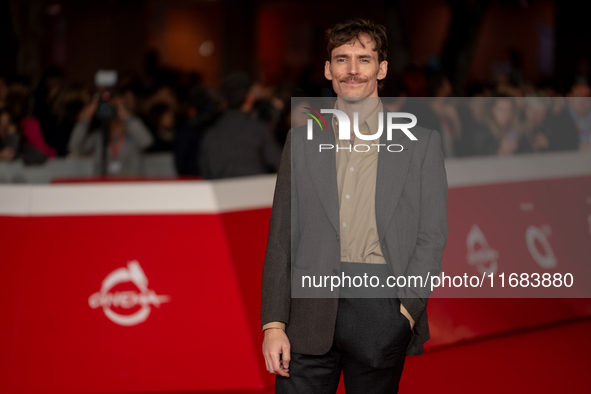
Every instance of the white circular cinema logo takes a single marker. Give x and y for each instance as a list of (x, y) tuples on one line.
[(107, 299), (539, 235), (480, 253)]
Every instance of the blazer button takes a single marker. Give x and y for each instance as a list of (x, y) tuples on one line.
[(335, 271), (337, 238)]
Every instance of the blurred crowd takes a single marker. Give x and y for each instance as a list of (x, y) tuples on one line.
[(239, 128), (503, 118)]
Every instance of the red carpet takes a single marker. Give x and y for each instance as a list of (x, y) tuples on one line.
[(550, 359), (553, 359)]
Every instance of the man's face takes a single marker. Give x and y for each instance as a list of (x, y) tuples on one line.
[(354, 68)]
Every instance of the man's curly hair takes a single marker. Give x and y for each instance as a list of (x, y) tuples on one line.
[(345, 32)]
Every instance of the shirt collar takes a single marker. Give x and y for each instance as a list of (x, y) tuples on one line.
[(370, 126)]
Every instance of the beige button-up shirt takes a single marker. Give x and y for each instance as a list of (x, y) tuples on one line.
[(357, 165), (356, 182)]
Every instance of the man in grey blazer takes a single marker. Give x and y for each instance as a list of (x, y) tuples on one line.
[(332, 212)]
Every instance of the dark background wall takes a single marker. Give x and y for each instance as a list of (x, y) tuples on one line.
[(279, 39)]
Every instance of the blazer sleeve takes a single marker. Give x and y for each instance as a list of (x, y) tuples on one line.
[(433, 230), (276, 286)]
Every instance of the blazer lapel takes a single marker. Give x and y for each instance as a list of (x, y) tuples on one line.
[(323, 171), (392, 171)]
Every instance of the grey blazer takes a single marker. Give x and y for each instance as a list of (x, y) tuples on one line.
[(411, 218)]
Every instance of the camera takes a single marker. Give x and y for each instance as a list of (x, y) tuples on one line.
[(105, 80), (105, 111)]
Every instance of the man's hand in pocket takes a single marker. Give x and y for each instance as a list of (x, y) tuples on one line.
[(405, 313)]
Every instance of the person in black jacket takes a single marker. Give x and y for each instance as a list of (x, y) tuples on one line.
[(237, 144)]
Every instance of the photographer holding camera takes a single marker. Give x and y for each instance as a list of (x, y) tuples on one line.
[(108, 123)]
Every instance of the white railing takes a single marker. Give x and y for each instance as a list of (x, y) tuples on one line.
[(159, 165), (252, 192)]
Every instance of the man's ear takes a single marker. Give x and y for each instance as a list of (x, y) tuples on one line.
[(383, 71), (327, 73)]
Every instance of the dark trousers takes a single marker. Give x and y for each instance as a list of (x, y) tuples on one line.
[(369, 346)]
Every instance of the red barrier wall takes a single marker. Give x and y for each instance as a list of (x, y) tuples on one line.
[(158, 299)]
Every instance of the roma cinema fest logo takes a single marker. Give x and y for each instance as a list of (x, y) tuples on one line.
[(108, 299), (344, 125)]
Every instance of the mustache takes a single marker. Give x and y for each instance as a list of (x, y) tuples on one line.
[(353, 78)]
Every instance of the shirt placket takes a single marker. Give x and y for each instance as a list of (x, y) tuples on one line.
[(349, 195)]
